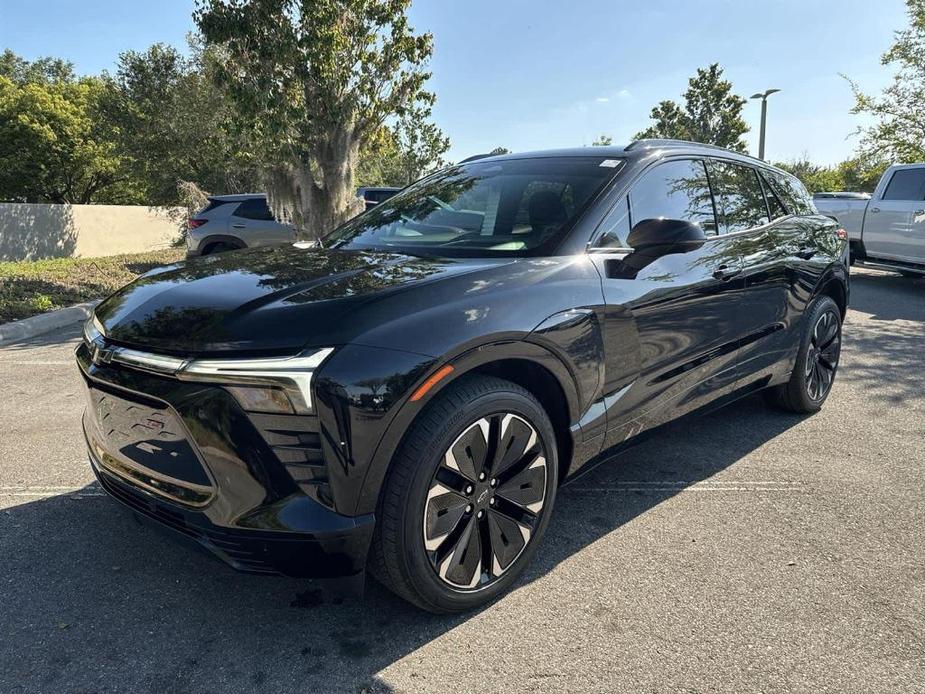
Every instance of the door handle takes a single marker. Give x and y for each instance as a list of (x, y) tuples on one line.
[(238, 226), (724, 272), (874, 209)]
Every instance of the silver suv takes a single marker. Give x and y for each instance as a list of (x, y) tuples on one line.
[(229, 222)]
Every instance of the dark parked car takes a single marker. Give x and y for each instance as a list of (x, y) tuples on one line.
[(373, 196), (410, 396)]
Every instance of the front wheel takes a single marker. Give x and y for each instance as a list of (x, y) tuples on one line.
[(468, 496), (817, 360)]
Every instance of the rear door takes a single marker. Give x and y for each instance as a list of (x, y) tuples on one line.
[(766, 239), (894, 226), (675, 308), (254, 224)]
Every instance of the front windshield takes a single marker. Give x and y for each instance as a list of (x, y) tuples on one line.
[(511, 207)]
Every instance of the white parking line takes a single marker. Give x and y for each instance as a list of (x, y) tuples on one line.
[(621, 487), (45, 492), (16, 362)]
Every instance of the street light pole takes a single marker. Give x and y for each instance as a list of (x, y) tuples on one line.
[(764, 117)]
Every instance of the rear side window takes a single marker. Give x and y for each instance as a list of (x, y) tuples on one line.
[(211, 206), (906, 184), (791, 192), (674, 190), (739, 196), (254, 208)]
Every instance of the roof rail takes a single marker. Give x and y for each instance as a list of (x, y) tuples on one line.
[(657, 142), (475, 157)]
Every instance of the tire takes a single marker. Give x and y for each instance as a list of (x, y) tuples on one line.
[(220, 248), (447, 540), (817, 360)]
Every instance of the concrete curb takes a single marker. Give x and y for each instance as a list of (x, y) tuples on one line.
[(45, 322)]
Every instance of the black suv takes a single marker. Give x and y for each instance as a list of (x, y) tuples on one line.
[(410, 396)]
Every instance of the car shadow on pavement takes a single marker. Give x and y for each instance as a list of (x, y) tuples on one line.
[(888, 296), (92, 601), (885, 346)]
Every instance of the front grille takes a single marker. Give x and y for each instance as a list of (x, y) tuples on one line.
[(296, 443), (143, 440), (242, 556)]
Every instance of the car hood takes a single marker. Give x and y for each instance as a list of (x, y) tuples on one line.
[(266, 300)]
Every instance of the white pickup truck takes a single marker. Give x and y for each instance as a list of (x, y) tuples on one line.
[(888, 230)]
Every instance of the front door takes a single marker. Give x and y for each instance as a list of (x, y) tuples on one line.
[(676, 305), (894, 226)]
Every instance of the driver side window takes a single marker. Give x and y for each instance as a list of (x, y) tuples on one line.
[(672, 190)]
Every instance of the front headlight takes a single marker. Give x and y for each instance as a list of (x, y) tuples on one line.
[(93, 329), (292, 374)]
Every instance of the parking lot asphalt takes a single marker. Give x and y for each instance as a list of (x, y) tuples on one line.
[(745, 551)]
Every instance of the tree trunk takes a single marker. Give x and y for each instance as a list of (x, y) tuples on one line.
[(318, 195)]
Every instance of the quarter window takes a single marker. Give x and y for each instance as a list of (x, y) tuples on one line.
[(739, 196), (906, 184), (791, 192), (674, 190), (775, 207), (254, 208)]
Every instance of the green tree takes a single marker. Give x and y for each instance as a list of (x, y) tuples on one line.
[(42, 70), (899, 133), (420, 144), (602, 141), (315, 80), (54, 145), (857, 174), (711, 113), (174, 126), (499, 150)]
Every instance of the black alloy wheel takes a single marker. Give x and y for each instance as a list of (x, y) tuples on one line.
[(817, 360), (467, 497), (484, 500), (822, 355)]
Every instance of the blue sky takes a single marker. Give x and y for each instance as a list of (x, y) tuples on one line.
[(531, 74)]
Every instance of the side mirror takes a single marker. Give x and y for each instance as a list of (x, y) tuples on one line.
[(664, 232)]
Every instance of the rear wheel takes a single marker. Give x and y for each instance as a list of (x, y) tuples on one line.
[(467, 497), (220, 248), (817, 360)]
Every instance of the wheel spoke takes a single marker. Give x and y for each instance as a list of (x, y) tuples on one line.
[(462, 564), (442, 513), (515, 439), (508, 538), (470, 451), (527, 487), (829, 330)]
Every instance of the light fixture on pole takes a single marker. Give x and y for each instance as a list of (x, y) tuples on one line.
[(764, 117)]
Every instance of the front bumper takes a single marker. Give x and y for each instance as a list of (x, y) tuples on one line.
[(188, 458)]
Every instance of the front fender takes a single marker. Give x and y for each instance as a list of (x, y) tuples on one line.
[(362, 397)]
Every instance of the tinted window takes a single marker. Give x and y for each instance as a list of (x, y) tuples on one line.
[(739, 196), (774, 204), (906, 184), (791, 192), (511, 207), (212, 205), (674, 190), (615, 228), (254, 208)]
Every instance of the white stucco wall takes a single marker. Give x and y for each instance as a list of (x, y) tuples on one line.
[(32, 231)]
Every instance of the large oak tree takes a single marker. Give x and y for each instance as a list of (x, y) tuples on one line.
[(315, 80)]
